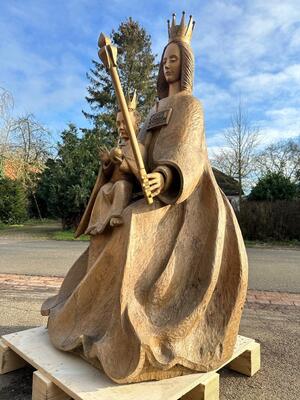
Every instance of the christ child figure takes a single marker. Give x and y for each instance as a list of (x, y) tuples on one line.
[(119, 172)]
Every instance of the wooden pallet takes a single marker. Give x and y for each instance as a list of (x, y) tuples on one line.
[(62, 376)]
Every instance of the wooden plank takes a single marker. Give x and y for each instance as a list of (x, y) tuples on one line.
[(9, 360), (248, 363), (81, 381), (44, 389), (208, 389)]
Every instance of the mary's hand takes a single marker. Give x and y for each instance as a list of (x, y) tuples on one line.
[(157, 182)]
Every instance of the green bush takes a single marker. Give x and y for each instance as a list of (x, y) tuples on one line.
[(13, 202), (274, 186)]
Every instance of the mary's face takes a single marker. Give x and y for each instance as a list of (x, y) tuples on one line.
[(172, 63)]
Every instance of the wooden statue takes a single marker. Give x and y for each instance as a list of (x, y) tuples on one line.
[(108, 55), (162, 294), (119, 168)]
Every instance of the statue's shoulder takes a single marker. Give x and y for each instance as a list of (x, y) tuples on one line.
[(190, 100), (188, 104)]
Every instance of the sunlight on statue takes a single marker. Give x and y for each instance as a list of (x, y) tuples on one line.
[(118, 167), (160, 290)]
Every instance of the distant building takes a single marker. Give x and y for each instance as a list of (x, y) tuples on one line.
[(229, 186)]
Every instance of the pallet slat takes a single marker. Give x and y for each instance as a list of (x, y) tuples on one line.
[(9, 360), (62, 375), (248, 363), (44, 389), (208, 389)]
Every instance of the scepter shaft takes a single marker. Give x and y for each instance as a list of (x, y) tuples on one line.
[(124, 109), (108, 54)]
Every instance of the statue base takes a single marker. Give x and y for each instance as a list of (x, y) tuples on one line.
[(62, 376)]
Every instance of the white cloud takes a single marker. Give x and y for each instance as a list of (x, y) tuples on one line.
[(247, 49), (214, 98), (277, 124), (261, 85), (280, 124)]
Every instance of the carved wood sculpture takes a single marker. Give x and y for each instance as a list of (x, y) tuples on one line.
[(108, 55), (118, 172), (162, 294)]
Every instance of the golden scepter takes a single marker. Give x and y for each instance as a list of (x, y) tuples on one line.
[(108, 55)]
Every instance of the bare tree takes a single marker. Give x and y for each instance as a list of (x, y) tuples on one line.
[(29, 148), (24, 143), (6, 108), (238, 157), (31, 140), (281, 157)]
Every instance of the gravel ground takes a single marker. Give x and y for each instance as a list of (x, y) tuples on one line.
[(276, 328)]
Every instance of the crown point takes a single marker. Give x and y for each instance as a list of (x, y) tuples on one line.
[(181, 32), (173, 20), (132, 103), (182, 19)]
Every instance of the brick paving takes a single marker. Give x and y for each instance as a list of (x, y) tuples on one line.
[(29, 282)]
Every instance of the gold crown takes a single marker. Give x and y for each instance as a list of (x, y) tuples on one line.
[(181, 32), (132, 103)]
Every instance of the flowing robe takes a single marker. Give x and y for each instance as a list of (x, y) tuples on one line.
[(112, 192), (162, 295)]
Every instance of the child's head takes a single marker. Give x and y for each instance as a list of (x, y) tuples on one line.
[(121, 126), (134, 116)]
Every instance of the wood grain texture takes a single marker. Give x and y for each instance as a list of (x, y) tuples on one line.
[(81, 381), (9, 360), (162, 294), (248, 363), (208, 389), (44, 389)]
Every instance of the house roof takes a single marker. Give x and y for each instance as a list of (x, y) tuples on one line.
[(227, 183)]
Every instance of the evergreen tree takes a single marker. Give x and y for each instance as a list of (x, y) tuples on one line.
[(274, 186), (67, 181), (13, 201), (137, 70)]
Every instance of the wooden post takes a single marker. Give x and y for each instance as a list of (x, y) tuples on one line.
[(9, 360), (44, 389), (248, 363), (206, 390)]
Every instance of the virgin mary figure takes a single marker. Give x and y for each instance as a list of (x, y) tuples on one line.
[(162, 294)]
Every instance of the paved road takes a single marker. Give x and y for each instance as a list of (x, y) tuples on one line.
[(269, 269)]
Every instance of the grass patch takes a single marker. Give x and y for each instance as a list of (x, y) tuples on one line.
[(30, 222), (37, 229), (68, 235)]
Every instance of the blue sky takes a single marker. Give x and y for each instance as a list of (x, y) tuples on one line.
[(247, 49)]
